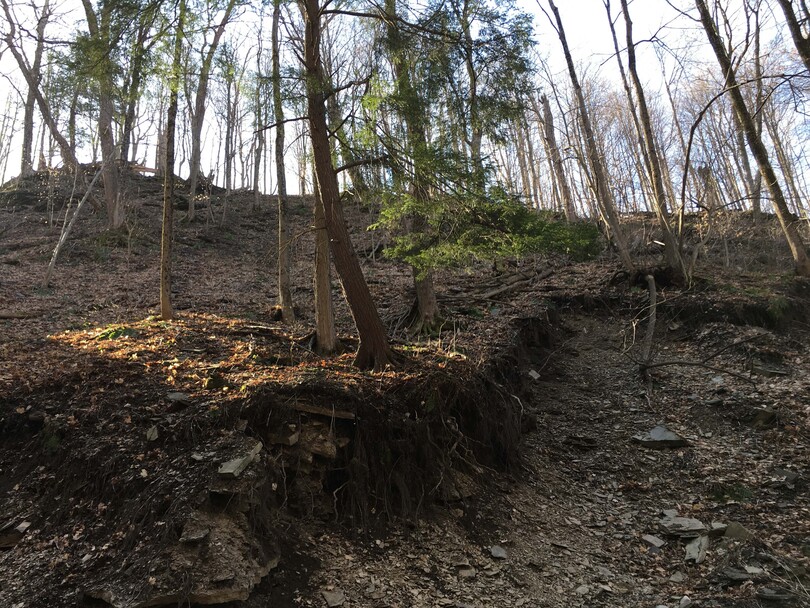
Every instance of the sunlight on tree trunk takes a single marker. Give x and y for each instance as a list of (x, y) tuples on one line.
[(285, 301), (374, 351), (672, 253), (167, 233)]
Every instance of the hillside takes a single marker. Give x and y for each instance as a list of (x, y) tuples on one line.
[(216, 459)]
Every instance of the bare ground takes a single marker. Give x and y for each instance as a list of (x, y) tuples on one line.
[(112, 471)]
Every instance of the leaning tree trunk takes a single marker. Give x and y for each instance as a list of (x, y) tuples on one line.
[(556, 161), (32, 80), (797, 247), (27, 160), (794, 24), (672, 253), (604, 196), (374, 351), (200, 99)]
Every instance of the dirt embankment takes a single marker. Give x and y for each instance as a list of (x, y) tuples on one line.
[(215, 458)]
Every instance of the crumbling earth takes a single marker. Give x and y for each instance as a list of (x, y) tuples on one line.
[(517, 458)]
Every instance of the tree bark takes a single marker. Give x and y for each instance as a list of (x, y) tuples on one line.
[(326, 339), (132, 91), (167, 231), (672, 253), (27, 160), (200, 98), (758, 150), (604, 196), (32, 80), (259, 123), (414, 115), (374, 351), (801, 41), (99, 28), (556, 161), (285, 301)]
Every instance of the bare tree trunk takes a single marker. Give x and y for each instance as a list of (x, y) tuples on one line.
[(32, 80), (672, 252), (132, 90), (99, 28), (347, 155), (556, 161), (112, 194), (756, 187), (27, 161), (797, 247), (523, 163), (68, 226), (229, 127), (167, 231), (259, 122), (200, 98), (285, 301), (604, 196), (784, 162), (794, 24), (536, 193), (326, 339), (374, 351)]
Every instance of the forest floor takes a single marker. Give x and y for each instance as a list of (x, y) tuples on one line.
[(117, 430)]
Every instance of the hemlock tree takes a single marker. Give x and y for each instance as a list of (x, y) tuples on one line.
[(415, 114), (470, 59)]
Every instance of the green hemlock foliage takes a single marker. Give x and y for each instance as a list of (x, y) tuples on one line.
[(463, 230)]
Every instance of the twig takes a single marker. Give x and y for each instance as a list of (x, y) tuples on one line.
[(696, 364), (10, 315), (727, 346)]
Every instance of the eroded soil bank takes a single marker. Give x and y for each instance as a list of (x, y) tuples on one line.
[(216, 459)]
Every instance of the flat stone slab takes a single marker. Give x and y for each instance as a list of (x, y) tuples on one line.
[(684, 526), (234, 468), (660, 438), (653, 541), (334, 598), (737, 531), (696, 550)]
